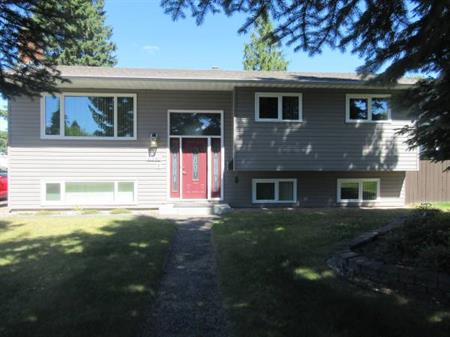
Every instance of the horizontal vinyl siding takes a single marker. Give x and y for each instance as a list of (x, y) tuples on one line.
[(322, 142), (319, 189), (32, 160)]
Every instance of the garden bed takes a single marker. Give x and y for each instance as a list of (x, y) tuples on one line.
[(411, 255), (422, 242)]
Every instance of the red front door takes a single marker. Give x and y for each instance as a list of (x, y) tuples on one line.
[(194, 168)]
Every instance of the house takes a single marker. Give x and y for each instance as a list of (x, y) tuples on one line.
[(144, 138)]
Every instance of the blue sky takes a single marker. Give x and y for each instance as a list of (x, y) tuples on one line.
[(146, 37)]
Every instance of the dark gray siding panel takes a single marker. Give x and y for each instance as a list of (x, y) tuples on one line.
[(318, 189), (322, 142), (33, 160)]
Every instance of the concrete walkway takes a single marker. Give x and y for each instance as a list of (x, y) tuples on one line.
[(189, 303)]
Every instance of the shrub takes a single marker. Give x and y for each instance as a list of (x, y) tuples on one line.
[(423, 240)]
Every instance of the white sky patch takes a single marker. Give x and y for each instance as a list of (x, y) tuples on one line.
[(150, 49)]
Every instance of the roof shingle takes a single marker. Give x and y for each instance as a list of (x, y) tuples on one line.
[(214, 74)]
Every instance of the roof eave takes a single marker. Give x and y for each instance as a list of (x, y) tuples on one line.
[(214, 84)]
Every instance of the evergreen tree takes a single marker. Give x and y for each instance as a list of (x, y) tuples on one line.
[(262, 52), (103, 114), (94, 48), (23, 38), (54, 127), (396, 37)]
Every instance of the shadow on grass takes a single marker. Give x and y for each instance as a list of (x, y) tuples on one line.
[(82, 284), (276, 282)]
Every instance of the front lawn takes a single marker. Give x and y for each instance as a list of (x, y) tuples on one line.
[(276, 282), (79, 276), (443, 206)]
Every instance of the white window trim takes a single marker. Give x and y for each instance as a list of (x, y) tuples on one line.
[(360, 182), (276, 182), (279, 96), (369, 108), (100, 203), (62, 115)]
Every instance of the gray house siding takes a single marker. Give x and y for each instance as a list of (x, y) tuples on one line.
[(318, 189), (33, 160), (322, 142)]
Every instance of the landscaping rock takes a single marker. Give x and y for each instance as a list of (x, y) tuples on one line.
[(356, 267)]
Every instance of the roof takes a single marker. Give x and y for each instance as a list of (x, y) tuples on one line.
[(212, 79)]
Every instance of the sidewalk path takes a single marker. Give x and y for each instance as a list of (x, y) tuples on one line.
[(189, 303)]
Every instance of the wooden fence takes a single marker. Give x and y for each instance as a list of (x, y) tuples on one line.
[(428, 184)]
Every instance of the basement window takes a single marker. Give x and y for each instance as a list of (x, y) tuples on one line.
[(274, 190), (358, 190), (73, 193)]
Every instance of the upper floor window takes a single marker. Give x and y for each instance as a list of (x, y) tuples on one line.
[(102, 116), (278, 106), (368, 108)]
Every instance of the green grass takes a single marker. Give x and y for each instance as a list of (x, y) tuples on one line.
[(79, 276), (120, 211), (443, 206), (276, 282)]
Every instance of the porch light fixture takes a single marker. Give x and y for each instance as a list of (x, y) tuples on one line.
[(153, 146), (154, 141)]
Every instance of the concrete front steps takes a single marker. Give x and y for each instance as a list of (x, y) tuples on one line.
[(194, 208)]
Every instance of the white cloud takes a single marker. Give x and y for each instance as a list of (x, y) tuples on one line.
[(150, 50)]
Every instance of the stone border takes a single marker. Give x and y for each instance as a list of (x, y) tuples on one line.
[(359, 268)]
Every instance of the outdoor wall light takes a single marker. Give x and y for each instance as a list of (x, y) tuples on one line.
[(154, 141), (153, 146)]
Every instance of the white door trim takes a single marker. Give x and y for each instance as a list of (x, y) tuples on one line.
[(208, 156)]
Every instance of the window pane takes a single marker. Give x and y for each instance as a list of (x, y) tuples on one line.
[(53, 192), (195, 124), (90, 192), (195, 164), (358, 108), (52, 126), (216, 151), (370, 190), (125, 116), (265, 191), (380, 109), (174, 152), (89, 116), (125, 192), (349, 191), (268, 107), (286, 190), (290, 107)]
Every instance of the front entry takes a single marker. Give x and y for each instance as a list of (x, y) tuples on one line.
[(194, 168)]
